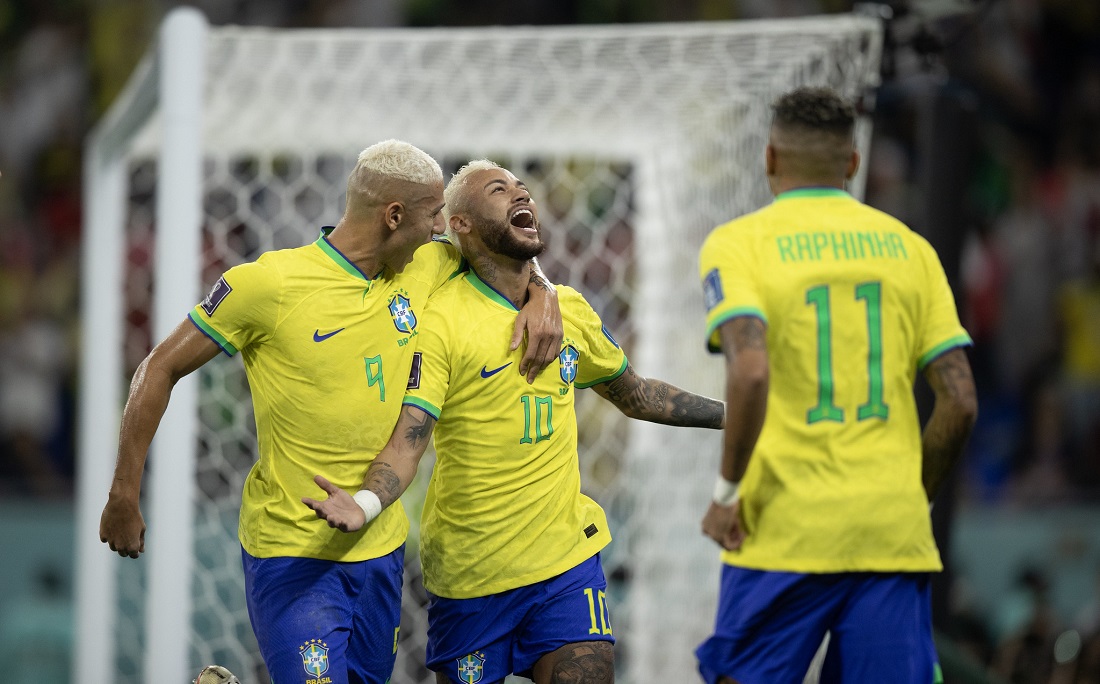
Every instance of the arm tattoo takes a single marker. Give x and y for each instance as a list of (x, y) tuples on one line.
[(539, 282), (952, 417), (659, 402), (384, 482), (420, 429), (748, 333)]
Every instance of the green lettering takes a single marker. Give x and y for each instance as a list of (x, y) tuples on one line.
[(802, 241), (840, 243), (784, 244), (898, 245), (865, 240)]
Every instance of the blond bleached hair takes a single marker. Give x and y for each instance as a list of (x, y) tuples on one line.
[(455, 197), (399, 159)]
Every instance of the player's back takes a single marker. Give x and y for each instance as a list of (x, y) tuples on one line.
[(855, 302)]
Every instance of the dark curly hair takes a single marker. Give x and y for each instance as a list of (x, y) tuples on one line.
[(818, 109)]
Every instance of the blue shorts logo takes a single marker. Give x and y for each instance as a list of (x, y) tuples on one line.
[(403, 316), (569, 358), (471, 668), (314, 657)]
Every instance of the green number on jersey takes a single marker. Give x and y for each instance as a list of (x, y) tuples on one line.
[(374, 375), (875, 407), (544, 422)]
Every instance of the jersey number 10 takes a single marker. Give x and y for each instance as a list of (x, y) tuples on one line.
[(875, 407)]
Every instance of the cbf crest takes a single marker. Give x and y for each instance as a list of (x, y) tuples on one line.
[(402, 313), (569, 359), (471, 668), (314, 657)]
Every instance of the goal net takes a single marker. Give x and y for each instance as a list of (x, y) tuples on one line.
[(634, 140)]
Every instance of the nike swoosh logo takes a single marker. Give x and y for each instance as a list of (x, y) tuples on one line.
[(318, 337), (490, 373)]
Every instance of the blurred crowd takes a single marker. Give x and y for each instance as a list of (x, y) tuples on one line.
[(1005, 95)]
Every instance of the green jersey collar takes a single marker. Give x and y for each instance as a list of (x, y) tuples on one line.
[(811, 192), (342, 261), (488, 290)]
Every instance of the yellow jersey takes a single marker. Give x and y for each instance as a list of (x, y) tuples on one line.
[(855, 304), (327, 350), (504, 507)]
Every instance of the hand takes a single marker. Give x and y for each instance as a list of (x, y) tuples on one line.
[(723, 525), (541, 319), (121, 526), (339, 509)]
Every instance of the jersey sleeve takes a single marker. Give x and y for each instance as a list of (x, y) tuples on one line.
[(941, 329), (730, 286), (242, 308), (430, 377), (601, 360)]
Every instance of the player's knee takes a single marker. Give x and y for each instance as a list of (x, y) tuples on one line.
[(588, 662)]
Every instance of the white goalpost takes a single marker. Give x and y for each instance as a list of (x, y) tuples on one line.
[(635, 140)]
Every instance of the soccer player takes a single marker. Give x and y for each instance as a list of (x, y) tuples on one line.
[(825, 309), (327, 332), (509, 545)]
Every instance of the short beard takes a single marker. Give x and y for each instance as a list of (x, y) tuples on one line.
[(498, 237)]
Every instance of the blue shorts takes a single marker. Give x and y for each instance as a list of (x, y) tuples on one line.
[(325, 622), (489, 637), (770, 624)]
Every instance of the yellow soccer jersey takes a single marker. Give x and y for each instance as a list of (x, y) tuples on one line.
[(327, 351), (504, 507), (855, 303)]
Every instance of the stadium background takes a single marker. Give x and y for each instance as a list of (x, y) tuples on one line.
[(985, 141)]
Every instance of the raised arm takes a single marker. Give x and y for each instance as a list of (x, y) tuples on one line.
[(540, 318), (659, 402), (121, 526), (953, 416), (388, 476), (745, 348)]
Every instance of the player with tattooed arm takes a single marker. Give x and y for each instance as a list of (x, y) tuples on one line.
[(327, 334), (825, 310), (510, 546)]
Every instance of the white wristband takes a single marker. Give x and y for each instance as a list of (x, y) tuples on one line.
[(725, 492), (369, 502)]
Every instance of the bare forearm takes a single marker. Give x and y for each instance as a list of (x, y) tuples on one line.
[(953, 417), (942, 443), (150, 391), (746, 404), (391, 473), (659, 402)]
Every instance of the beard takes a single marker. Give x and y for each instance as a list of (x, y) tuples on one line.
[(499, 238)]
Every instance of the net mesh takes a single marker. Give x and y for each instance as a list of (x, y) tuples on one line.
[(634, 141)]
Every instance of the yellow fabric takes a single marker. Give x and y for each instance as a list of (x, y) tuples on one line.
[(834, 483), (504, 507), (327, 363), (1080, 309)]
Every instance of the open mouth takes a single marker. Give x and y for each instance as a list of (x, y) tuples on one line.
[(523, 218)]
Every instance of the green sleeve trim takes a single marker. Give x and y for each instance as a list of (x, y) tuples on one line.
[(426, 407), (226, 346), (937, 351), (713, 343), (622, 369)]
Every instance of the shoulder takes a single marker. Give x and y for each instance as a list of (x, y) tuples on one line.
[(741, 229)]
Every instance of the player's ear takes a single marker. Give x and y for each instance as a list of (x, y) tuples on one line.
[(459, 225), (853, 165), (395, 212), (769, 160)]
